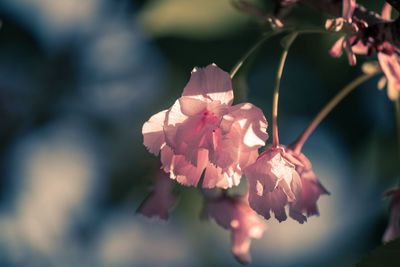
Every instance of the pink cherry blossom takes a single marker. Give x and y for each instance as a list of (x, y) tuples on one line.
[(234, 213), (160, 200), (275, 183), (203, 131), (311, 187), (393, 228)]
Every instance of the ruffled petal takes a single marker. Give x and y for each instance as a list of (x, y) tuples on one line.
[(173, 119), (260, 177), (185, 133), (153, 135), (311, 188), (180, 169), (213, 175), (281, 168), (225, 154), (263, 201), (311, 191), (247, 157), (273, 183), (276, 201), (296, 214), (251, 124), (191, 106), (210, 84)]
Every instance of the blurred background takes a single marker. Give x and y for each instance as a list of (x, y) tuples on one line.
[(79, 78)]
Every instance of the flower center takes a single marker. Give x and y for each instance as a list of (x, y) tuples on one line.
[(209, 117)]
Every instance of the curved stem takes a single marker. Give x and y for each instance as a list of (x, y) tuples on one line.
[(268, 35), (239, 64), (289, 41), (298, 144)]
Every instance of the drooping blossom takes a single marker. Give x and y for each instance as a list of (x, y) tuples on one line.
[(160, 200), (235, 214), (393, 228), (311, 187), (275, 183), (203, 131)]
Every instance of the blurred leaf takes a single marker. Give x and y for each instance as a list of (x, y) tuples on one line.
[(192, 18), (386, 255)]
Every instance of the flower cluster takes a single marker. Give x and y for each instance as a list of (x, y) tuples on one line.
[(353, 43), (204, 135)]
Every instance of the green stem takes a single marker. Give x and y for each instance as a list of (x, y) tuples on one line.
[(289, 41), (252, 50), (268, 35), (298, 144)]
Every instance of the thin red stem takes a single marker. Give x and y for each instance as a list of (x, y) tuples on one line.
[(298, 144)]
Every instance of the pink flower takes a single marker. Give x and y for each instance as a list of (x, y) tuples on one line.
[(275, 183), (393, 228), (203, 131), (160, 200), (311, 187), (234, 213)]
